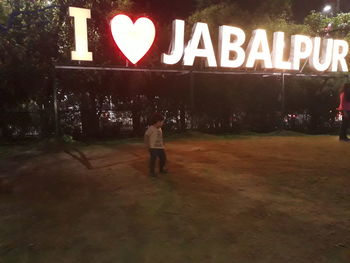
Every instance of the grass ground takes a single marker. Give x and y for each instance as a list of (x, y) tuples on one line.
[(240, 199)]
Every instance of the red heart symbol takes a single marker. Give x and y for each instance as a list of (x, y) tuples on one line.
[(133, 39)]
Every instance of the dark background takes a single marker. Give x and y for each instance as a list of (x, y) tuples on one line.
[(182, 8), (36, 36)]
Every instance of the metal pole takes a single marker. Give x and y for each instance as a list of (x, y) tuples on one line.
[(283, 94), (55, 105), (283, 100), (192, 98), (338, 7), (183, 72)]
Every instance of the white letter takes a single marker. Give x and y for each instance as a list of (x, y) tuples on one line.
[(321, 62), (226, 46), (200, 31), (340, 51), (278, 52), (80, 31), (176, 48), (301, 48), (258, 49)]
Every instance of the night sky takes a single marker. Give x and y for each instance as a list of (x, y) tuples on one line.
[(301, 8), (170, 9)]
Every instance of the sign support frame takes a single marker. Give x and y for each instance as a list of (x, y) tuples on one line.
[(191, 73)]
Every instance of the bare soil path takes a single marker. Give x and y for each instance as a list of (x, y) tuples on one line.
[(245, 200)]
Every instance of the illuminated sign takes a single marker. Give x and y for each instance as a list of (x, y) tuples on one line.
[(135, 39), (80, 32)]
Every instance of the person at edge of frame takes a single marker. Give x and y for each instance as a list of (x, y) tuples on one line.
[(154, 142), (344, 108)]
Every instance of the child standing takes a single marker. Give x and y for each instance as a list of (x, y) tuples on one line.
[(154, 142), (344, 107)]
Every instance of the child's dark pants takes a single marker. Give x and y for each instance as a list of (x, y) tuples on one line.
[(154, 154)]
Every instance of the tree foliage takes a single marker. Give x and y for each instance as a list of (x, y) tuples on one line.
[(37, 35)]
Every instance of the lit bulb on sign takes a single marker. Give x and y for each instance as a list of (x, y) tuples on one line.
[(259, 50), (80, 32), (133, 39), (340, 51), (200, 34), (278, 52), (226, 47), (301, 48), (177, 45), (321, 58)]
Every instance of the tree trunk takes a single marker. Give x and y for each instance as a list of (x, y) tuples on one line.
[(89, 118), (136, 123)]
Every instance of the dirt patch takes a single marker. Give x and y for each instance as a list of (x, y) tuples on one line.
[(268, 199)]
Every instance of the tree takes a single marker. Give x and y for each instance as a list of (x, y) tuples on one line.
[(28, 45)]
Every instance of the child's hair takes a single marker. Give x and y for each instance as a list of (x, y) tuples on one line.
[(346, 90), (155, 118)]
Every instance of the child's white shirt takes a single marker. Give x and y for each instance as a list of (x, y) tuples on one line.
[(154, 138)]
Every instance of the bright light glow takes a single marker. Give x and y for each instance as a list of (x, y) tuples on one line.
[(133, 39), (80, 32), (321, 62), (327, 8), (301, 48), (200, 33), (278, 52), (258, 49), (340, 51), (176, 48), (226, 46)]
